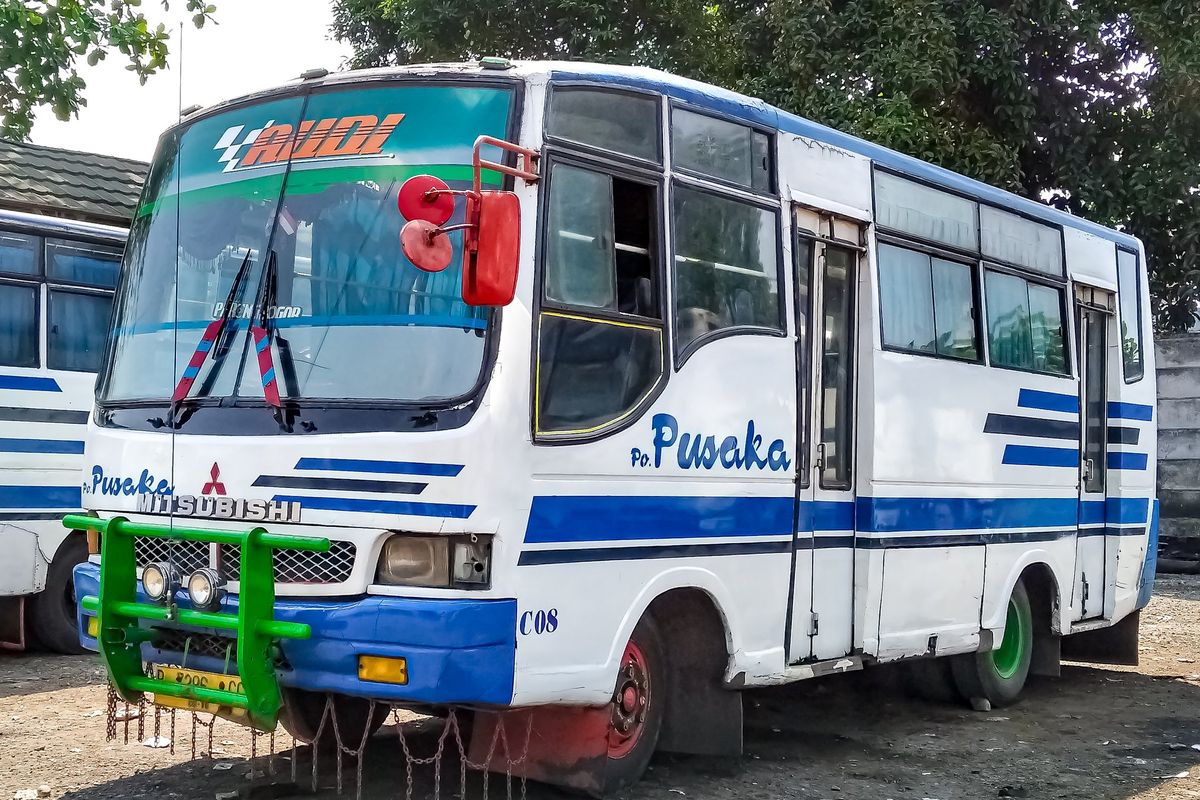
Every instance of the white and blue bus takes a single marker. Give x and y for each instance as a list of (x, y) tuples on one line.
[(709, 397), (56, 285)]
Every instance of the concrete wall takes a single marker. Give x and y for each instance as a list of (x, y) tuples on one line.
[(1179, 445)]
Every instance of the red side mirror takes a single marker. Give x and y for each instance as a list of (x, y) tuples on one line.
[(426, 245), (425, 197), (490, 268)]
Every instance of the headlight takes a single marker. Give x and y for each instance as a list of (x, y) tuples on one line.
[(160, 580), (206, 588), (437, 561)]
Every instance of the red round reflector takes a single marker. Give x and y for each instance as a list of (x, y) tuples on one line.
[(425, 246), (415, 201)]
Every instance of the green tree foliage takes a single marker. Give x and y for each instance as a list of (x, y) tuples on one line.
[(1093, 106), (41, 44)]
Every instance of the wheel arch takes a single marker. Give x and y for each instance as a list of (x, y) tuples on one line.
[(1044, 586)]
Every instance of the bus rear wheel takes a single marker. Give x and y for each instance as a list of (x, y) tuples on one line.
[(999, 675), (52, 612), (636, 713)]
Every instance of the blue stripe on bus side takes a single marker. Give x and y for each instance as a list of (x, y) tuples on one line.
[(1124, 460), (1134, 411), (602, 518), (1034, 456), (59, 446), (29, 383), (380, 467), (895, 514), (40, 497), (1048, 401)]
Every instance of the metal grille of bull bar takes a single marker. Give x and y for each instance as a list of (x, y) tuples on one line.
[(291, 566)]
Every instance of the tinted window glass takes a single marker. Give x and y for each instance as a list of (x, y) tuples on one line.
[(906, 298), (19, 253), (954, 309), (1024, 324), (622, 123), (837, 368), (924, 212), (1046, 329), (721, 149), (1008, 237), (18, 325), (1129, 286), (726, 264), (77, 331), (78, 262), (579, 246), (592, 373)]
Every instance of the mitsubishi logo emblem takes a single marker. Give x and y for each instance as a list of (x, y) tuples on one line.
[(214, 486)]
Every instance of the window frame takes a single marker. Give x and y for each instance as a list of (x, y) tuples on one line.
[(555, 151), (39, 360), (772, 150), (39, 240), (804, 349), (981, 264), (933, 252), (1065, 321), (1137, 293), (549, 138), (761, 202)]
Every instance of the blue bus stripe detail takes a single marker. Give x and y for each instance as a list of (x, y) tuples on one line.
[(1118, 460), (538, 557), (29, 383), (898, 514), (1126, 510), (1092, 512), (1033, 456), (191, 372), (825, 515), (1048, 401), (380, 467), (65, 497), (602, 518), (60, 446), (366, 506), (1035, 427), (262, 344), (1150, 565), (1134, 411), (204, 345), (268, 376)]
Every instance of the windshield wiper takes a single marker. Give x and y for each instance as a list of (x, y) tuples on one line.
[(213, 339), (266, 332)]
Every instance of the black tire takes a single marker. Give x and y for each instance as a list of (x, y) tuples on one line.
[(302, 713), (932, 680), (52, 616), (628, 767), (998, 676)]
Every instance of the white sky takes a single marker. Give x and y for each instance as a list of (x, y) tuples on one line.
[(256, 44)]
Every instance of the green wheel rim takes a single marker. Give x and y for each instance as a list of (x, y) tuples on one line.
[(1011, 653)]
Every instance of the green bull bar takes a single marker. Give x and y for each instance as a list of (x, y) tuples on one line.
[(119, 614)]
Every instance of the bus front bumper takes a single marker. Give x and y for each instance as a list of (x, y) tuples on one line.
[(456, 651)]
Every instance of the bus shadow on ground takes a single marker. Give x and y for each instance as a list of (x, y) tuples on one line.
[(1093, 733)]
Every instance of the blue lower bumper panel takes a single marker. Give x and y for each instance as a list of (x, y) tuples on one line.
[(457, 651)]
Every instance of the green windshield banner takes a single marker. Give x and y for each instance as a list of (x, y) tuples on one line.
[(379, 134)]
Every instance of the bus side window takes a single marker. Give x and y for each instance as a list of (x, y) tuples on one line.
[(19, 299), (80, 277), (600, 331)]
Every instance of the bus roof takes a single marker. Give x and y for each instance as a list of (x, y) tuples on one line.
[(728, 103), (723, 101)]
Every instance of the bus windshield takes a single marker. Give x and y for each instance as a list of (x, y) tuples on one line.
[(282, 216)]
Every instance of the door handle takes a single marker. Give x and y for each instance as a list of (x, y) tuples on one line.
[(820, 463), (1088, 466)]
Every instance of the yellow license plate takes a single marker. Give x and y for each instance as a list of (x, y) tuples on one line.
[(194, 677)]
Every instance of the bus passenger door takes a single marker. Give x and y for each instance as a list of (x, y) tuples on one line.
[(1093, 319), (825, 259)]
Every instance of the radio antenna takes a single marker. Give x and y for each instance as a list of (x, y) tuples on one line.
[(180, 77)]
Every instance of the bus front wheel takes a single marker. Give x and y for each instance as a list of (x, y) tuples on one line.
[(998, 676), (636, 711)]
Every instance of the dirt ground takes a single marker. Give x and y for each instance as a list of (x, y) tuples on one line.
[(1102, 733)]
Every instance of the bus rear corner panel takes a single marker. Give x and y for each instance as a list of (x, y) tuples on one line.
[(1116, 644)]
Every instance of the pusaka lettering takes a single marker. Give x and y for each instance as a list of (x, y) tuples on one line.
[(144, 484), (220, 507), (700, 451)]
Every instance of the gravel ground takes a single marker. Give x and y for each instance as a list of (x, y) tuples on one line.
[(1093, 733)]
